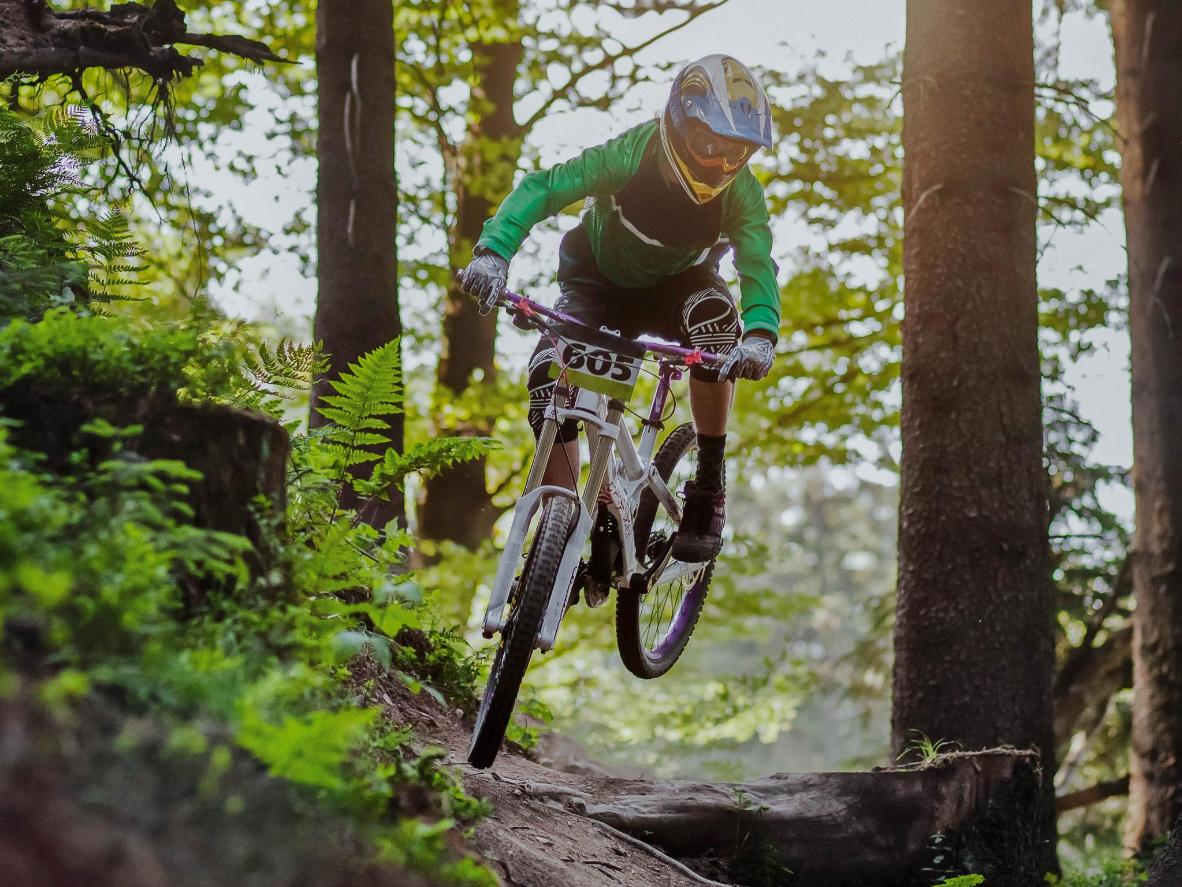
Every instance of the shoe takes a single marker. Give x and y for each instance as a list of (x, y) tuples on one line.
[(699, 535)]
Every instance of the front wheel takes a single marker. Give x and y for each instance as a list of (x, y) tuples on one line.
[(527, 607), (653, 628)]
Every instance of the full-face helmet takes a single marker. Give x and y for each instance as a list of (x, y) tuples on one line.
[(717, 116)]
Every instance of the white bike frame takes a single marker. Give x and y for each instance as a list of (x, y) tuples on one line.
[(620, 468)]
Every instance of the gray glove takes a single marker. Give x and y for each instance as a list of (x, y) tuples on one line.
[(751, 359), (485, 278)]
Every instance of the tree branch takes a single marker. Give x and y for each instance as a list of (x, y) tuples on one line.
[(1088, 679), (1093, 794), (607, 60), (35, 40)]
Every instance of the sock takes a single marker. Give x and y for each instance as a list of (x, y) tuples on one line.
[(711, 462)]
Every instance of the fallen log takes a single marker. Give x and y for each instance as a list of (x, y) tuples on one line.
[(964, 813)]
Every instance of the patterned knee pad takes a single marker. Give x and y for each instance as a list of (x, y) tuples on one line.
[(711, 323), (541, 390)]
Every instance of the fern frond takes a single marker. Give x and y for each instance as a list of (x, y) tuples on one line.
[(288, 365), (427, 459), (366, 392)]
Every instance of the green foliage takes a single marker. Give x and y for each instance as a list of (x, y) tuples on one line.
[(280, 375), (46, 257), (366, 394), (425, 459), (921, 749), (962, 881), (110, 357), (1114, 872), (309, 749), (98, 568)]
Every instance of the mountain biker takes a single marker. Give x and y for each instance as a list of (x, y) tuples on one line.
[(665, 200)]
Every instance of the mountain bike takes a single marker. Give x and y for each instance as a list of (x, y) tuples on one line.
[(628, 512)]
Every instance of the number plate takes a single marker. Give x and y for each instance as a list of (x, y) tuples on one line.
[(597, 369)]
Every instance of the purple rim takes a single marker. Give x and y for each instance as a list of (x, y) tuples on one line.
[(689, 606)]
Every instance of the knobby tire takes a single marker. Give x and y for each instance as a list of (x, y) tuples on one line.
[(527, 609)]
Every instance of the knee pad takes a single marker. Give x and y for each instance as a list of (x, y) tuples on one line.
[(711, 322), (541, 390)]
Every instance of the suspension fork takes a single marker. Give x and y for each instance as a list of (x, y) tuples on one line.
[(605, 440), (560, 596)]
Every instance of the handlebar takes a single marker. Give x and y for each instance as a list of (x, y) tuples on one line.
[(688, 356)]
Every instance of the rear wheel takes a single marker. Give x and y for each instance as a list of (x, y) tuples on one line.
[(527, 607), (653, 628)]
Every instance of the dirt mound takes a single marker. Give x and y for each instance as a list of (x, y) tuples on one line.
[(536, 836)]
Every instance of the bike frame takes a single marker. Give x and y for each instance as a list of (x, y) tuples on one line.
[(619, 468)]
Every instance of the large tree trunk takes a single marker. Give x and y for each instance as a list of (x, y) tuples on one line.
[(973, 638), (456, 505), (357, 299), (1148, 36), (964, 814)]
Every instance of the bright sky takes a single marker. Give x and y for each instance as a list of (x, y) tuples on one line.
[(784, 34)]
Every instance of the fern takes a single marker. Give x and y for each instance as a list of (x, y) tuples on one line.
[(287, 366), (366, 393), (43, 261), (428, 459)]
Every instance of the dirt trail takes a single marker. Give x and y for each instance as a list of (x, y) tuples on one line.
[(535, 836)]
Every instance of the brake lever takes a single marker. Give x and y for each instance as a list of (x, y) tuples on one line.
[(727, 372)]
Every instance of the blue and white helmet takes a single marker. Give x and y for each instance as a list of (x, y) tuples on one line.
[(717, 116)]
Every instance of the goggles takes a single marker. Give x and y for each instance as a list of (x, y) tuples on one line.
[(713, 151)]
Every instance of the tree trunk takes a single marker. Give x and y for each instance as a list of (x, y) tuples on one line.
[(1148, 37), (357, 299), (964, 814), (242, 458), (973, 639), (456, 504)]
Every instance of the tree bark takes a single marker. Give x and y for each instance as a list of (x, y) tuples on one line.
[(847, 829), (973, 638), (456, 504), (357, 298), (35, 40), (1148, 38), (1166, 871)]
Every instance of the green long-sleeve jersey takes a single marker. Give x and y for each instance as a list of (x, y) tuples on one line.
[(606, 175)]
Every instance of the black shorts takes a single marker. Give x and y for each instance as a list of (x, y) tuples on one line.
[(694, 309)]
